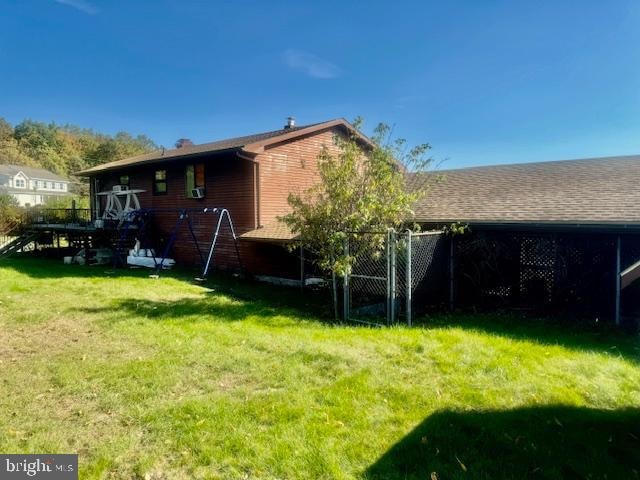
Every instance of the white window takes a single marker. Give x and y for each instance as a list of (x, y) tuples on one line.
[(64, 187), (20, 183)]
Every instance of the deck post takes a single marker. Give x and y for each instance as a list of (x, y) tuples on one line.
[(618, 265)]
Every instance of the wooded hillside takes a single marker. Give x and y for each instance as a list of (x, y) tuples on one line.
[(65, 149)]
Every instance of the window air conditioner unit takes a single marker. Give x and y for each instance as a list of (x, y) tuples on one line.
[(120, 188), (197, 192)]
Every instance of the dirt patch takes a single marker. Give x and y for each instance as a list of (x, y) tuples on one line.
[(59, 334)]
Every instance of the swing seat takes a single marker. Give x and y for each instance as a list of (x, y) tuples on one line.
[(150, 262)]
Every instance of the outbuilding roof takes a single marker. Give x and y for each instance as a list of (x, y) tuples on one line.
[(277, 231), (248, 144), (578, 192)]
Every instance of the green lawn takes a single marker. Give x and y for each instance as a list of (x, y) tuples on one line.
[(163, 379)]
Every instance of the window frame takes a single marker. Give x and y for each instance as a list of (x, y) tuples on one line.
[(194, 167), (159, 181)]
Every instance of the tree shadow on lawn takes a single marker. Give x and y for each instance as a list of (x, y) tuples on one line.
[(229, 299), (260, 299), (202, 310), (42, 268), (601, 338), (558, 442)]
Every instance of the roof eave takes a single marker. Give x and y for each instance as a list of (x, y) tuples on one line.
[(98, 170), (539, 224)]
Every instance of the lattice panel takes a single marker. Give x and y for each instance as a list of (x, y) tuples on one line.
[(555, 272)]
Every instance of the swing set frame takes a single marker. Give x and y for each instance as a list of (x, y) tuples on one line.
[(138, 221)]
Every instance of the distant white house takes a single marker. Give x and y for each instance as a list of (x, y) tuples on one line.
[(31, 186)]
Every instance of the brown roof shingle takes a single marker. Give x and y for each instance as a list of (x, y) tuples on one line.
[(249, 143), (590, 191)]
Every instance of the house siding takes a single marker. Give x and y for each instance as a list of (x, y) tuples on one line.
[(289, 167), (228, 183)]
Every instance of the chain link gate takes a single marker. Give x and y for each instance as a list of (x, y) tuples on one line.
[(387, 269)]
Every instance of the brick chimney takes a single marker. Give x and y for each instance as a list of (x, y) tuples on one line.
[(183, 142)]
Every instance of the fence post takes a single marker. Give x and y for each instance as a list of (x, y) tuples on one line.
[(388, 275), (451, 272), (618, 269), (392, 251), (345, 284), (301, 267), (409, 278)]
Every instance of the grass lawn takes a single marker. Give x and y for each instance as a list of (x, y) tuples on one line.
[(163, 379)]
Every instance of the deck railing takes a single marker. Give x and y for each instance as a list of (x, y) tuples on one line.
[(57, 216)]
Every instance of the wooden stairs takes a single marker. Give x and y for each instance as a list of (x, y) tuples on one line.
[(15, 244)]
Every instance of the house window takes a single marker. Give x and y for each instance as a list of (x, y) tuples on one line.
[(64, 187), (124, 180), (20, 183), (160, 182), (194, 178), (59, 186)]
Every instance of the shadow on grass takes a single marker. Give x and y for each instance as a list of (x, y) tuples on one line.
[(228, 300), (198, 310), (259, 299), (601, 338), (41, 268), (538, 442)]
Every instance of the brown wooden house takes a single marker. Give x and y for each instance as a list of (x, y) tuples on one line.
[(251, 176)]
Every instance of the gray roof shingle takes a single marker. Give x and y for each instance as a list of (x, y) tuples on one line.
[(31, 172), (589, 191)]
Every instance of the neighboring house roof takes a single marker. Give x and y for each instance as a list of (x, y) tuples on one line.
[(4, 190), (250, 145), (31, 172), (589, 191)]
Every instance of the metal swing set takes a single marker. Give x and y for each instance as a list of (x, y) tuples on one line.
[(138, 221)]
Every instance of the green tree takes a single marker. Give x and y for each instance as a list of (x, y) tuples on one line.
[(9, 212), (362, 188)]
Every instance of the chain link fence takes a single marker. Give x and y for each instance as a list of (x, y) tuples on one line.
[(389, 271)]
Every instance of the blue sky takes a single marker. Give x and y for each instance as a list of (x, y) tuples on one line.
[(483, 81)]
